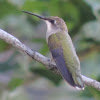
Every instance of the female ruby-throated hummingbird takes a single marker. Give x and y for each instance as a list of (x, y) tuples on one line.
[(62, 50)]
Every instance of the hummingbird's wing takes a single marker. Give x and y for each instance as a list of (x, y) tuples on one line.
[(61, 65), (58, 56)]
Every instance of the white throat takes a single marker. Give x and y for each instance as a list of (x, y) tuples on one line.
[(49, 26), (50, 30)]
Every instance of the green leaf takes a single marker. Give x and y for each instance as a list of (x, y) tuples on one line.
[(44, 49), (6, 8), (72, 16), (15, 82), (36, 6), (3, 46)]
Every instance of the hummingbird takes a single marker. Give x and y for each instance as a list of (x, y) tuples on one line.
[(62, 50)]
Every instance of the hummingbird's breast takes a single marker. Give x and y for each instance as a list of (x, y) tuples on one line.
[(50, 32)]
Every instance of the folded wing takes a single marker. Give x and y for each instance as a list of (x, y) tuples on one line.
[(61, 65)]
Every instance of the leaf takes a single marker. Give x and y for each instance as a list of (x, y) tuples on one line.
[(34, 6), (15, 82), (3, 46), (6, 8), (72, 16)]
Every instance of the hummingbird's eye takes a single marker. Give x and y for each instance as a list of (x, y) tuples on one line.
[(53, 21)]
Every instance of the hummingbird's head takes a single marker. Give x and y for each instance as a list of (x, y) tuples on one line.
[(54, 23)]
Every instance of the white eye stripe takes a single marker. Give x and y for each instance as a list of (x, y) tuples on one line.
[(54, 21)]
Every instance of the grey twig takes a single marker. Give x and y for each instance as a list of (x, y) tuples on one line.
[(40, 58)]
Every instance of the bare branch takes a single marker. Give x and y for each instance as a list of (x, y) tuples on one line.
[(91, 82), (40, 58)]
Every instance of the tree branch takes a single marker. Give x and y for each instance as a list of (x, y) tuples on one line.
[(40, 58)]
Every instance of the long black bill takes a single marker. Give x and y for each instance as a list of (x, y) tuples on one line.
[(41, 17)]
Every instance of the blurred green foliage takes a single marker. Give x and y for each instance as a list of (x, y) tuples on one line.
[(82, 18), (15, 82), (48, 74), (7, 8), (3, 45)]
